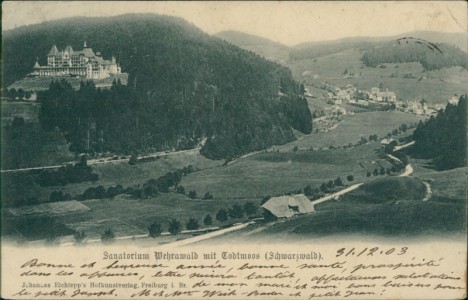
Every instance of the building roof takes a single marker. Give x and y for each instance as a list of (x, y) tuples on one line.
[(386, 94), (88, 52), (288, 206), (53, 51), (69, 49), (386, 141)]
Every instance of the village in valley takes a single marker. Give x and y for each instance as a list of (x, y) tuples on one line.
[(351, 159)]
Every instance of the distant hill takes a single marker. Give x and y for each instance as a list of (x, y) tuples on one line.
[(184, 86), (239, 38), (432, 56), (262, 46), (312, 50), (458, 39)]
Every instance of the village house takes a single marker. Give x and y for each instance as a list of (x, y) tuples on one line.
[(343, 95), (385, 96), (415, 107), (83, 63), (375, 90), (307, 93), (338, 110), (351, 89), (363, 102), (453, 100)]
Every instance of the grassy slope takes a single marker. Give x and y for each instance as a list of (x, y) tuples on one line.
[(127, 216), (388, 206), (274, 173), (405, 218), (113, 173), (387, 189), (248, 179), (354, 127), (42, 83), (377, 208), (436, 88), (447, 186)]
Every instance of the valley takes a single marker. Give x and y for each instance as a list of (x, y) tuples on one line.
[(272, 172), (189, 146)]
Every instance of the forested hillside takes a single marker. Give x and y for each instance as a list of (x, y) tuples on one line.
[(431, 56), (239, 38), (183, 86), (315, 50), (443, 138)]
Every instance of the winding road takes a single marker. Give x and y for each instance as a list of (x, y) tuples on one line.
[(337, 194)]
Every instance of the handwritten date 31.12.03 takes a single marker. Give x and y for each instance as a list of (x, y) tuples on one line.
[(371, 251)]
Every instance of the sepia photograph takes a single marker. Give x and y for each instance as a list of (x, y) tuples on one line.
[(234, 150)]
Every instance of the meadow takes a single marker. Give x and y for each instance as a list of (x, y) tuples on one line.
[(120, 172), (127, 216), (447, 186), (353, 127), (248, 179), (275, 173)]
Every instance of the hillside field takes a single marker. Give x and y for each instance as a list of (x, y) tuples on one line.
[(353, 127), (120, 172), (447, 186), (127, 216), (273, 173), (434, 86)]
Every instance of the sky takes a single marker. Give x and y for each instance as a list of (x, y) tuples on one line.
[(286, 22)]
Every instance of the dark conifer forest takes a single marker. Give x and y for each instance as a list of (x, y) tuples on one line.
[(443, 138), (431, 56), (184, 86)]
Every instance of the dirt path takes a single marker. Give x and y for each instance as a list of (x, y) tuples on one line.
[(408, 168), (398, 148), (337, 194), (428, 191), (98, 161), (408, 171)]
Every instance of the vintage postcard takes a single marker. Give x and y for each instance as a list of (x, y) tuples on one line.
[(234, 150)]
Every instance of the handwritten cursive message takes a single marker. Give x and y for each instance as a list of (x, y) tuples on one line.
[(370, 271)]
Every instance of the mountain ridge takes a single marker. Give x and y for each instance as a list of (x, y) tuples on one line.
[(454, 38)]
